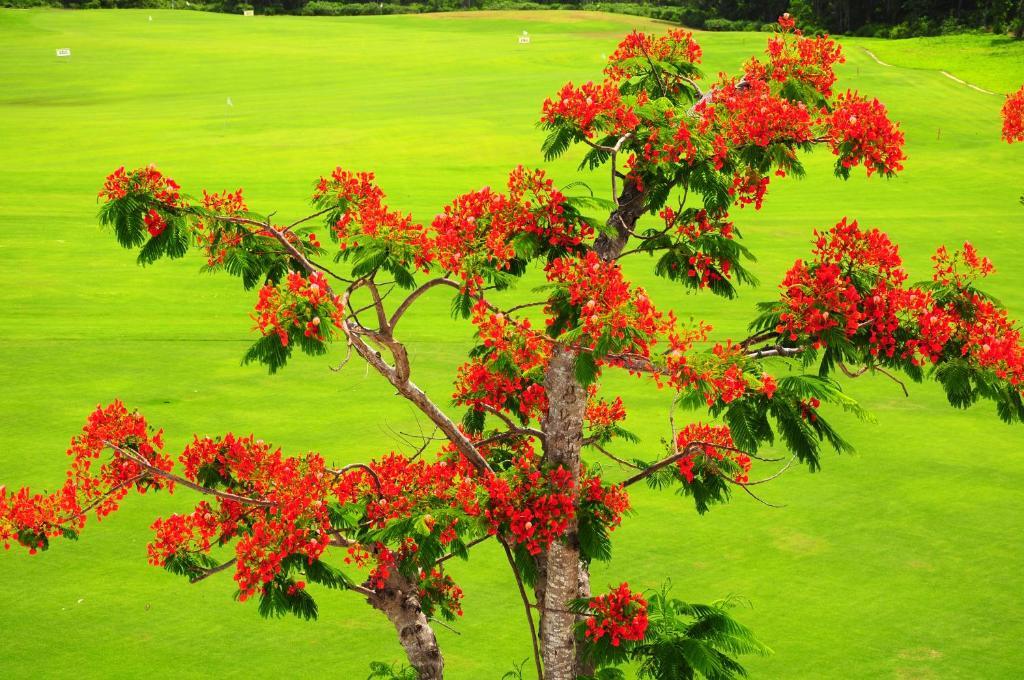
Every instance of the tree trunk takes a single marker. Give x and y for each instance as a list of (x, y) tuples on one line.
[(584, 665), (561, 575), (559, 582), (399, 601)]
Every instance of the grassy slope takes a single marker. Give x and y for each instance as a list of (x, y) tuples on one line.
[(995, 63), (897, 562)]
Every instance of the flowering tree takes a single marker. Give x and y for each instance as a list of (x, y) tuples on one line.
[(511, 470), (1013, 117)]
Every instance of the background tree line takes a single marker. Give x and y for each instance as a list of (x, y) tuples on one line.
[(879, 18)]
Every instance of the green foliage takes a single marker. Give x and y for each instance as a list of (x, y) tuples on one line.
[(126, 215), (686, 641), (683, 641), (279, 597), (675, 253), (517, 671), (965, 384), (382, 671), (755, 419), (586, 369), (190, 565)]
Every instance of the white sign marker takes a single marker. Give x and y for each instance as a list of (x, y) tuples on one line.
[(524, 39), (249, 13), (63, 52)]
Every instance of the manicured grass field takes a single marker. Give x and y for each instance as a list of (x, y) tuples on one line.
[(900, 562), (995, 63)]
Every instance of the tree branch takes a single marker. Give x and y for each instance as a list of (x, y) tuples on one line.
[(526, 606), (207, 573), (415, 295), (151, 469)]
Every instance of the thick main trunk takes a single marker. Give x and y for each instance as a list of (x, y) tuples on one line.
[(400, 602), (584, 665), (559, 582), (562, 576)]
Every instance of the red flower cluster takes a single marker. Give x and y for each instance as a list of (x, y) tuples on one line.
[(748, 112), (600, 415), (633, 55), (961, 268), (302, 304), (821, 295), (859, 131), (476, 233), (498, 378), (990, 340), (969, 326), (31, 519), (416, 485), (541, 209), (712, 442), (856, 281), (196, 532), (719, 375), (591, 109), (365, 217), (618, 615), (145, 182), (472, 235), (281, 510), (608, 503), (438, 591), (1013, 117), (531, 506), (703, 267), (217, 237), (791, 56), (749, 188), (607, 306), (155, 223), (678, 147)]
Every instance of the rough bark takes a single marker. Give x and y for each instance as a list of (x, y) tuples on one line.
[(400, 603), (559, 571), (584, 666), (561, 574), (622, 220)]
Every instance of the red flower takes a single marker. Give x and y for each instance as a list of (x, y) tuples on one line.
[(860, 132), (618, 615), (591, 109), (154, 222), (1013, 117)]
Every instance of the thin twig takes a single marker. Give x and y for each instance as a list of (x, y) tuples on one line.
[(475, 541), (611, 455), (526, 606), (307, 218), (415, 295), (207, 573), (755, 496), (856, 374), (362, 466), (443, 625), (785, 467)]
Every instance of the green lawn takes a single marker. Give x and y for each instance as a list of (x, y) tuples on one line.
[(899, 562), (995, 63)]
